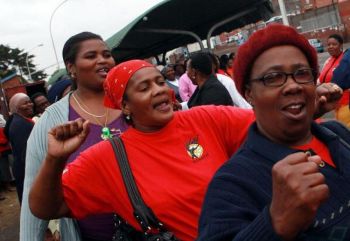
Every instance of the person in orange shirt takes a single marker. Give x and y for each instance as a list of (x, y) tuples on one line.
[(229, 69), (335, 50), (5, 150)]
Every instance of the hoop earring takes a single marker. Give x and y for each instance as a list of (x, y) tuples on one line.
[(127, 117)]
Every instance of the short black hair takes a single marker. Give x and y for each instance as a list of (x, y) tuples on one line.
[(215, 60), (223, 61), (202, 62), (33, 97), (36, 95), (337, 37), (71, 47), (165, 69)]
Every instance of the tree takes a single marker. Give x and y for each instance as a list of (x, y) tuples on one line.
[(14, 59)]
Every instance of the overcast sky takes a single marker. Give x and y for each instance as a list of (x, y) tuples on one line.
[(25, 24)]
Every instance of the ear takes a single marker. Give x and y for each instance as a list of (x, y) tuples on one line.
[(248, 95), (71, 68), (125, 108)]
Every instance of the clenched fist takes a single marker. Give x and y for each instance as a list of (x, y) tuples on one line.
[(298, 191), (64, 139)]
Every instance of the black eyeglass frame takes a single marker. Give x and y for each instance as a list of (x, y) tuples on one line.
[(263, 79)]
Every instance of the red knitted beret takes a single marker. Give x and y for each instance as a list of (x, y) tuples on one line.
[(271, 36)]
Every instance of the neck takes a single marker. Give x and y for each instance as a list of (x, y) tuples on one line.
[(201, 80), (23, 116), (86, 95), (337, 55), (93, 100), (301, 138)]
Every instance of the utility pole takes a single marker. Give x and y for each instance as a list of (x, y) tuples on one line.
[(283, 12), (27, 63)]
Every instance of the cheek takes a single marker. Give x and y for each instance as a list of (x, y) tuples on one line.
[(111, 61), (311, 98), (265, 102), (138, 103), (85, 67), (263, 97)]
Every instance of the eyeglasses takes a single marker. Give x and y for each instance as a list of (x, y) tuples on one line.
[(277, 79)]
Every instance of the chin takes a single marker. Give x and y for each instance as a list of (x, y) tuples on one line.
[(298, 134), (166, 118)]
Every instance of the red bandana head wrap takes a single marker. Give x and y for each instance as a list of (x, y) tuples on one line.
[(117, 79)]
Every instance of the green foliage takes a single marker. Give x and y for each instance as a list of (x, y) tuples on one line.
[(14, 59)]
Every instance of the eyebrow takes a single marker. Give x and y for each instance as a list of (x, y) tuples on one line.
[(280, 67), (150, 79), (95, 51)]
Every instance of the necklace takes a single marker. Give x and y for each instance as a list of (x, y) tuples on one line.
[(105, 131), (83, 109)]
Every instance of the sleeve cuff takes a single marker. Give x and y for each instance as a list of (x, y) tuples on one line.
[(261, 228)]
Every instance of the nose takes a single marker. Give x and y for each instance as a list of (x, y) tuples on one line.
[(159, 89), (101, 59), (291, 86)]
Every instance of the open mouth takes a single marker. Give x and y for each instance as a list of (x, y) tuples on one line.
[(163, 106), (103, 72), (295, 111)]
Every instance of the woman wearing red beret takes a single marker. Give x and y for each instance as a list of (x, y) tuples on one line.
[(172, 156), (289, 179)]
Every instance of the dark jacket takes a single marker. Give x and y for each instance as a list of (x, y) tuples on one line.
[(236, 206), (19, 129), (341, 75), (211, 93), (176, 90)]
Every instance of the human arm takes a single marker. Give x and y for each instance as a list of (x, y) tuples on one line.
[(31, 227), (238, 204), (237, 99), (341, 75), (46, 196), (298, 191)]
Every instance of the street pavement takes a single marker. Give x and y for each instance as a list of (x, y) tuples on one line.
[(9, 217)]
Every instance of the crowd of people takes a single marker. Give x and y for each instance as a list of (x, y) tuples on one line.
[(221, 148)]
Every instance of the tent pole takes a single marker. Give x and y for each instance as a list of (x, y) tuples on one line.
[(211, 30), (174, 31)]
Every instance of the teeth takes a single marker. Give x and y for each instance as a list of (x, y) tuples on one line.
[(294, 106), (103, 70)]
